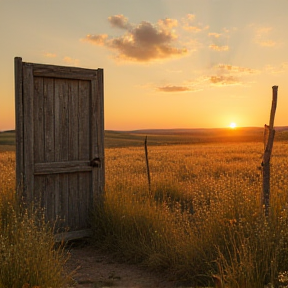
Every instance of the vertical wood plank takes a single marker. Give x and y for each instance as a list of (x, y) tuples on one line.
[(49, 115), (84, 120), (97, 96), (85, 152), (85, 197), (57, 96), (49, 198), (73, 95), (61, 120), (39, 190), (63, 193), (38, 112), (28, 95), (74, 201), (19, 125)]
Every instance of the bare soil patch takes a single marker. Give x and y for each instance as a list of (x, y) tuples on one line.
[(97, 269)]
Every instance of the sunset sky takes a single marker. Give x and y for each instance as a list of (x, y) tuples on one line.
[(167, 63)]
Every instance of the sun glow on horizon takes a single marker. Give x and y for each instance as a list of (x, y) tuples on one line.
[(232, 125)]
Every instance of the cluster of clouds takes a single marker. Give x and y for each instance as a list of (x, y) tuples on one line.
[(147, 42), (221, 75)]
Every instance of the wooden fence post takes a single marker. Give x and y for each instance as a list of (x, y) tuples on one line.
[(268, 145), (147, 165)]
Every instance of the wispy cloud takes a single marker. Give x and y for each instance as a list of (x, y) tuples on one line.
[(143, 42), (170, 88), (224, 80), (262, 36), (220, 75), (50, 55), (215, 35), (235, 69), (189, 24), (219, 48), (71, 61), (283, 67)]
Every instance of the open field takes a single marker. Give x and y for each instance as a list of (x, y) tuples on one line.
[(202, 215), (172, 136)]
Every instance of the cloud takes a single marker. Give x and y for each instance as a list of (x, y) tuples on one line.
[(216, 35), (283, 67), (143, 42), (50, 55), (188, 24), (71, 61), (235, 69), (223, 80), (219, 48), (170, 88), (119, 21), (96, 39), (262, 35)]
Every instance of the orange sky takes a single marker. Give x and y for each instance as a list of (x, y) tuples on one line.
[(167, 63)]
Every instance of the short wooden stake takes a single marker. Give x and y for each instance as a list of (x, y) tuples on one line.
[(147, 165), (268, 145)]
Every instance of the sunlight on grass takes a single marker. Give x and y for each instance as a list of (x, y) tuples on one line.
[(203, 217), (27, 250)]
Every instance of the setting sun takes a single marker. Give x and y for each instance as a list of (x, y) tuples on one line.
[(232, 125)]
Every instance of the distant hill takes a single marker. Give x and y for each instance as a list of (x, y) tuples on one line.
[(7, 138), (175, 136)]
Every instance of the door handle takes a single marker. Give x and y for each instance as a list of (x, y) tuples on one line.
[(95, 162)]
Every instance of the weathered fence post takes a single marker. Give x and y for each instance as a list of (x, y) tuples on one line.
[(268, 145), (147, 165)]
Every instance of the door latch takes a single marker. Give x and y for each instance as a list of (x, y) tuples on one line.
[(95, 162)]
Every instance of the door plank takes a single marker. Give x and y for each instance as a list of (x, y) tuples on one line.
[(49, 114), (61, 167), (38, 120), (74, 201), (84, 120), (73, 95), (28, 93), (85, 196), (61, 119), (19, 124), (53, 71), (39, 190)]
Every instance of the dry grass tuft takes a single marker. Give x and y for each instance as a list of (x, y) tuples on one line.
[(28, 257)]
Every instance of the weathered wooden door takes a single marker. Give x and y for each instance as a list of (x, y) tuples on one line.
[(60, 141)]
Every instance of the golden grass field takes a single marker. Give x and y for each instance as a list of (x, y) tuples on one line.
[(202, 216)]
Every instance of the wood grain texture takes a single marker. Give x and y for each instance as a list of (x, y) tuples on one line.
[(19, 125), (73, 95), (99, 192), (64, 72), (84, 120), (49, 115), (28, 102), (38, 113), (61, 167)]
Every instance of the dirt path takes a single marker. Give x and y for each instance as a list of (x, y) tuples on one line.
[(95, 269)]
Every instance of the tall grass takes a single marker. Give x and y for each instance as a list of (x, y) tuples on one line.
[(27, 253), (203, 217)]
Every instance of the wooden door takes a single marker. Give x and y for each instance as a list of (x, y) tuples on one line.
[(60, 141)]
